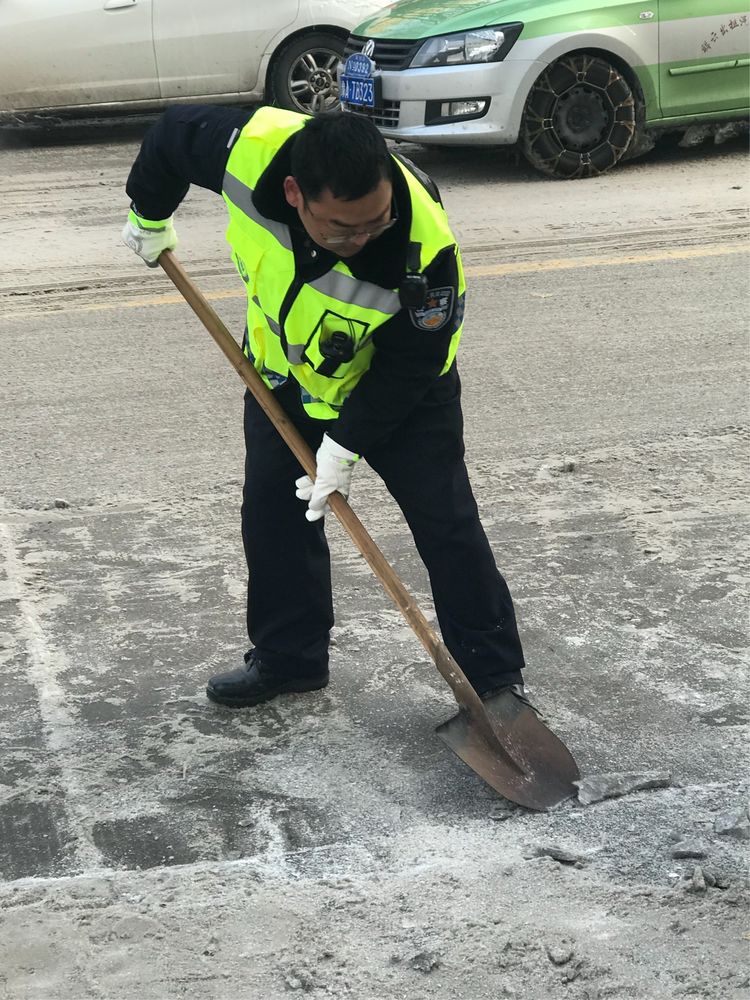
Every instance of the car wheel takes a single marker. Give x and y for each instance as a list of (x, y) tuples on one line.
[(579, 119), (303, 77)]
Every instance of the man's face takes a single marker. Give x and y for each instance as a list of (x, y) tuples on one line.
[(343, 226)]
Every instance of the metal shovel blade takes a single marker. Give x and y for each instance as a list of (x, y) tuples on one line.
[(517, 754)]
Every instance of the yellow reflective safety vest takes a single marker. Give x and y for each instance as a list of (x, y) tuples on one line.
[(313, 311)]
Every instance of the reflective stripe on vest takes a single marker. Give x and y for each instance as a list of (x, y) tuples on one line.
[(334, 304)]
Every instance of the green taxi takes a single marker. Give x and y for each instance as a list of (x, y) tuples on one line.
[(577, 85)]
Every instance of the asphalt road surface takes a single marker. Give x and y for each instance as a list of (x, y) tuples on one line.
[(154, 846)]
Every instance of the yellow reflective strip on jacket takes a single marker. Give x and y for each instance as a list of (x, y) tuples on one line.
[(336, 303)]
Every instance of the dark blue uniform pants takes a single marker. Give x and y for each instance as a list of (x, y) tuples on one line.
[(289, 607)]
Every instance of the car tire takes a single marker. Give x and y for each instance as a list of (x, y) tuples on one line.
[(579, 119), (303, 76)]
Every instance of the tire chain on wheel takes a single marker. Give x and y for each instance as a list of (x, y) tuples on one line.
[(539, 141)]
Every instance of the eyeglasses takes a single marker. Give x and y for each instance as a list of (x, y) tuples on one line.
[(335, 241)]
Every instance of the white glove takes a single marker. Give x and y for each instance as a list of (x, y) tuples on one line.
[(333, 474), (148, 239)]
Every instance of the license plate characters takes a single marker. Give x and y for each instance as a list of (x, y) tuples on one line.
[(357, 84)]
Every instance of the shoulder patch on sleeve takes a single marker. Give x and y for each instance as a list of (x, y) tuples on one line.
[(436, 311)]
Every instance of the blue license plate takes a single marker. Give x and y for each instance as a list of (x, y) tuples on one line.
[(357, 91)]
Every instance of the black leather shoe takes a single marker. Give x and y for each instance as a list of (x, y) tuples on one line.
[(255, 683), (517, 690)]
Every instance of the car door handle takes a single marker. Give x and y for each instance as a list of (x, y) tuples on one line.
[(116, 4)]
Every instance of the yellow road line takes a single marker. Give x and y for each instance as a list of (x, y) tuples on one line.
[(568, 263), (472, 271)]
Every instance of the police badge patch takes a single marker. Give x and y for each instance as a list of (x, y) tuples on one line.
[(436, 310)]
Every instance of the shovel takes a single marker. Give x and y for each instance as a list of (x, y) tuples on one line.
[(502, 740)]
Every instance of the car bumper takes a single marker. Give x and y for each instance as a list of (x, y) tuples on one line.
[(412, 99)]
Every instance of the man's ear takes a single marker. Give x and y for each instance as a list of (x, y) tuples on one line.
[(292, 193)]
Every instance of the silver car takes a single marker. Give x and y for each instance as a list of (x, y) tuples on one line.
[(68, 57)]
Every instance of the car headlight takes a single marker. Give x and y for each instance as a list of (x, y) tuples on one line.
[(476, 46)]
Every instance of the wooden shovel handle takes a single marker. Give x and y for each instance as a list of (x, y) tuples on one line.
[(450, 670)]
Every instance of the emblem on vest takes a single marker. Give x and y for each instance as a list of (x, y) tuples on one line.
[(241, 269)]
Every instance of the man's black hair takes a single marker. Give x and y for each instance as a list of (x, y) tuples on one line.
[(342, 152)]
